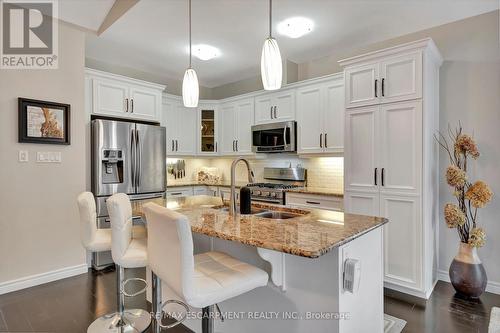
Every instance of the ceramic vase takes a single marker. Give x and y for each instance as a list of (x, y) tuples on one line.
[(467, 273)]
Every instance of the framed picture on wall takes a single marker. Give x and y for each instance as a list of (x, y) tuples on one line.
[(43, 122)]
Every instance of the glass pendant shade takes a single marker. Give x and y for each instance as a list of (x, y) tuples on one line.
[(190, 89), (271, 69)]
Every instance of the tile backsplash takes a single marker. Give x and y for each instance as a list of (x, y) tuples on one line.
[(322, 172)]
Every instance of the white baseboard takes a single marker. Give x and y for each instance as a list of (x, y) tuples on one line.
[(410, 291), (492, 286), (37, 279)]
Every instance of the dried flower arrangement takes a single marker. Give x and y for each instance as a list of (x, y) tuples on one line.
[(470, 196)]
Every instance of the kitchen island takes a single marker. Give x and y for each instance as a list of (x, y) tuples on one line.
[(304, 256)]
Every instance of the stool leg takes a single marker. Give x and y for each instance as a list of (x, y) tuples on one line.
[(123, 321), (156, 302), (207, 320)]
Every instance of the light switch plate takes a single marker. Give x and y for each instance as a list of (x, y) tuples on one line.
[(23, 156), (48, 157)]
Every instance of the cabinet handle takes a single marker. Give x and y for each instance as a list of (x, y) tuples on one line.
[(216, 147), (126, 104), (375, 176), (376, 85), (326, 140), (275, 117), (321, 140), (173, 145), (233, 145), (131, 105), (313, 202), (383, 84), (236, 145), (271, 112), (176, 145), (383, 176), (176, 193)]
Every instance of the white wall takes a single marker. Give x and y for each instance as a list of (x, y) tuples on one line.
[(39, 229)]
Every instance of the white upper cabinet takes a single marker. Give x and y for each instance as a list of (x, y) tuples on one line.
[(244, 123), (361, 85), (401, 78), (310, 119), (236, 120), (208, 129), (275, 107), (181, 128), (145, 103), (393, 79), (227, 118), (320, 117), (121, 97)]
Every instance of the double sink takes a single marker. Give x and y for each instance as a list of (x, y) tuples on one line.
[(268, 214)]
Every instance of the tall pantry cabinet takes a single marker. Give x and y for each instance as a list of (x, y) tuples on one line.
[(391, 158)]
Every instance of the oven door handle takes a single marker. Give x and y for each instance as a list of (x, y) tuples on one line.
[(284, 135)]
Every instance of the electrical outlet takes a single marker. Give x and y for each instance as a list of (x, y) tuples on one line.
[(23, 156)]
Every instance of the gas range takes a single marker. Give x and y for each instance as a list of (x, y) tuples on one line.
[(275, 192)]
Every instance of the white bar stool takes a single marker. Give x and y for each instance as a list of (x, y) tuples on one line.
[(127, 252), (93, 238), (201, 280)]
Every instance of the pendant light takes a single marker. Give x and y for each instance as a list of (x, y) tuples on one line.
[(271, 69), (190, 87)]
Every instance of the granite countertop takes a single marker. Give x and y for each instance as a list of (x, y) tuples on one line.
[(196, 183), (316, 190), (311, 234)]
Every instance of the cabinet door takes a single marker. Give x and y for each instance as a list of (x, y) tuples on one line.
[(402, 239), (284, 103), (401, 147), (360, 85), (169, 120), (361, 149), (310, 119), (401, 78), (227, 118), (208, 129), (186, 132), (110, 98), (263, 109), (362, 203), (333, 121), (144, 103), (244, 122)]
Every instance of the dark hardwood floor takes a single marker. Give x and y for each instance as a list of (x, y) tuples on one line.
[(70, 305)]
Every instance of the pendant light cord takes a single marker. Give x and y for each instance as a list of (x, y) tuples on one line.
[(190, 34), (270, 18)]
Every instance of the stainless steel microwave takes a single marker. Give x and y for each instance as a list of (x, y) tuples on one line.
[(274, 138)]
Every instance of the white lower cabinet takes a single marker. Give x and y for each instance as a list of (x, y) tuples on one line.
[(403, 239), (181, 191), (362, 203), (301, 200)]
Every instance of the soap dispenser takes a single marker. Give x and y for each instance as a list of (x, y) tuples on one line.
[(245, 200)]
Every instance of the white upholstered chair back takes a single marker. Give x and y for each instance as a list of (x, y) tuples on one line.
[(120, 214), (88, 218), (170, 249)]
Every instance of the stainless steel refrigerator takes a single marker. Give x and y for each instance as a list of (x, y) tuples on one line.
[(127, 157)]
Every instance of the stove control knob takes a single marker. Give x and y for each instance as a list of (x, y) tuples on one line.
[(265, 194), (255, 192), (273, 194)]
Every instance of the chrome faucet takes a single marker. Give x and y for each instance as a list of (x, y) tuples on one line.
[(232, 202)]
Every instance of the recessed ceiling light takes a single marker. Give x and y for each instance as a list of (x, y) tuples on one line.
[(205, 52), (295, 27)]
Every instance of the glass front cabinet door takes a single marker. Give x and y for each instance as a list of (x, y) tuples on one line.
[(207, 130)]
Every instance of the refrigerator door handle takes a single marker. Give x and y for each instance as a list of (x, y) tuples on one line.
[(133, 149), (138, 159)]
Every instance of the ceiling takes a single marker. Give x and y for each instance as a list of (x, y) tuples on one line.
[(85, 13), (153, 35)]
